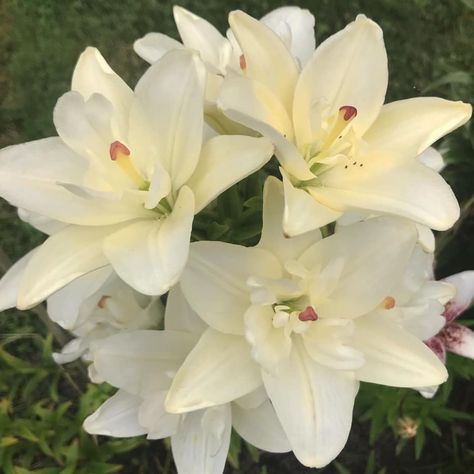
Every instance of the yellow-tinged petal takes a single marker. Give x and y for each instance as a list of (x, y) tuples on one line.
[(349, 68), (253, 105), (314, 405), (218, 370), (150, 254), (393, 356), (169, 103), (410, 126), (266, 58), (303, 213), (64, 257), (392, 185), (197, 33)]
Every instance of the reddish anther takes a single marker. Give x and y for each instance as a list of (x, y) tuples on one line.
[(242, 62), (350, 112), (116, 148), (309, 314), (389, 302)]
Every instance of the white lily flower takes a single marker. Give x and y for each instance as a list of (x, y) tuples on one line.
[(222, 56), (93, 307), (301, 314), (142, 364), (126, 175), (340, 148), (294, 25)]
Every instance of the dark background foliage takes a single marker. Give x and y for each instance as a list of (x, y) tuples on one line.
[(430, 47)]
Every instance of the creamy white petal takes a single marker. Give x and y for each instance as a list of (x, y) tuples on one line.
[(269, 344), (432, 158), (422, 320), (392, 185), (11, 280), (393, 356), (253, 399), (298, 24), (39, 176), (426, 238), (411, 125), (93, 75), (117, 417), (224, 161), (42, 223), (197, 33), (314, 405), (255, 106), (64, 257), (153, 46), (215, 281), (202, 441), (267, 59), (179, 316), (260, 427), (362, 249), (464, 284), (71, 351), (64, 305), (150, 254), (169, 97), (141, 362), (218, 370), (153, 416), (273, 238), (328, 343), (302, 212), (349, 68)]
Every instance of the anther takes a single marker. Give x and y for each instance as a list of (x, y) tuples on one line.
[(350, 112), (120, 155), (102, 303), (309, 314), (242, 62), (389, 302), (116, 149)]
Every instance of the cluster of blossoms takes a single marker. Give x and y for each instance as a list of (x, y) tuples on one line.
[(271, 340)]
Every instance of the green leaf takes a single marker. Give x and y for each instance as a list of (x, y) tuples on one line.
[(370, 467), (340, 468), (234, 450), (419, 441)]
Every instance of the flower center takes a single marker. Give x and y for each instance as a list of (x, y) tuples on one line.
[(290, 317), (333, 140), (120, 154)]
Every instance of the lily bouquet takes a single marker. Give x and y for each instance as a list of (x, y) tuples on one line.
[(335, 287)]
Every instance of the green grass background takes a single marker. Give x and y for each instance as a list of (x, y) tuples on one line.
[(430, 48)]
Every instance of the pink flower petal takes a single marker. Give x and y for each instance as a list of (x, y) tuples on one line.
[(458, 339), (464, 283), (436, 344)]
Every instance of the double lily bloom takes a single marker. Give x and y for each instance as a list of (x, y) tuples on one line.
[(142, 365), (307, 318), (125, 176)]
